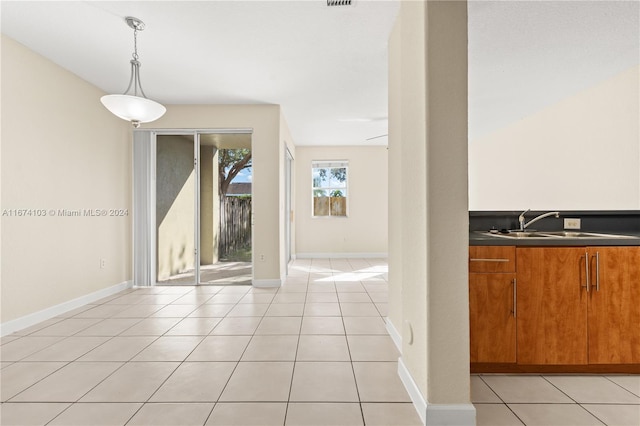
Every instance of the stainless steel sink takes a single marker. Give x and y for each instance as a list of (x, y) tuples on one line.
[(526, 234), (575, 234), (520, 234), (555, 234)]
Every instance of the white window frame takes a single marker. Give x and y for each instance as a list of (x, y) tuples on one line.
[(320, 164)]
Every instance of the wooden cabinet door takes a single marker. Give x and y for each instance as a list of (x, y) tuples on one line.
[(492, 318), (552, 306), (614, 308)]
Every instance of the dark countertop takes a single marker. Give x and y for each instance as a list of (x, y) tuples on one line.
[(480, 238)]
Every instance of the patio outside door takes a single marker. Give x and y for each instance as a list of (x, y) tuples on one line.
[(176, 207)]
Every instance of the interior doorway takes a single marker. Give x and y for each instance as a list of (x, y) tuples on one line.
[(186, 186)]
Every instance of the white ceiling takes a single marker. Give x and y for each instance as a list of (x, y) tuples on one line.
[(327, 66), (526, 55)]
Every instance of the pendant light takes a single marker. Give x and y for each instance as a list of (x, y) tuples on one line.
[(133, 105)]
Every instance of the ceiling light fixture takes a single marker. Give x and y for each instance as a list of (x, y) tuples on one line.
[(133, 105)]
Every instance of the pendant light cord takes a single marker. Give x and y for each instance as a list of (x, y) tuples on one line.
[(135, 68), (135, 44)]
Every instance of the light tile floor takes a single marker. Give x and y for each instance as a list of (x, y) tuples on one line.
[(221, 273), (314, 352), (556, 400)]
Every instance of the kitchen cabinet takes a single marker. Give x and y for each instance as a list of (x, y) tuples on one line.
[(492, 322), (614, 305), (552, 306), (578, 305), (492, 313)]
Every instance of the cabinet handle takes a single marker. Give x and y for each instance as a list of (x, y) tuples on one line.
[(586, 269), (597, 271), (515, 299), (487, 260)]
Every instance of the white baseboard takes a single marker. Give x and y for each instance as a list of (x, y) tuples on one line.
[(395, 335), (267, 283), (342, 255), (435, 414), (419, 403), (451, 414), (54, 311)]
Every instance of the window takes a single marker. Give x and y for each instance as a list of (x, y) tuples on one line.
[(329, 188)]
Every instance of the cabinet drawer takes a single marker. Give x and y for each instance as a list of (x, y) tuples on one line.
[(490, 259)]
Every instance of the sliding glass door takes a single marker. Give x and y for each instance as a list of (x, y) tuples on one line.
[(176, 219), (177, 205)]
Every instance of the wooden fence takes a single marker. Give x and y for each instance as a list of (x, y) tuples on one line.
[(235, 224)]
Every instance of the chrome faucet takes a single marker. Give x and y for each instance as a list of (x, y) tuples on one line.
[(524, 225)]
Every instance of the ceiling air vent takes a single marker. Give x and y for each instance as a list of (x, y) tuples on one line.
[(339, 2)]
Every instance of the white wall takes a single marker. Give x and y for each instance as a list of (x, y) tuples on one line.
[(395, 308), (407, 142), (582, 153), (428, 142), (61, 149), (267, 162), (364, 231)]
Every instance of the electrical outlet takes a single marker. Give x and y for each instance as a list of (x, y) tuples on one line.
[(262, 258), (103, 263), (570, 223)]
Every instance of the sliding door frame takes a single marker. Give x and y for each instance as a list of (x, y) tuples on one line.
[(144, 199)]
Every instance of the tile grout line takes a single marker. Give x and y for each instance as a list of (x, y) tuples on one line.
[(113, 372), (563, 392), (215, 403), (184, 359), (576, 402), (503, 401), (619, 385), (295, 362), (353, 371)]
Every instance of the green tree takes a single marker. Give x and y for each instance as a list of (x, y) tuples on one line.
[(230, 163), (338, 173)]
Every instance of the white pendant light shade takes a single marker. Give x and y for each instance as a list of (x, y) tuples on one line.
[(133, 108)]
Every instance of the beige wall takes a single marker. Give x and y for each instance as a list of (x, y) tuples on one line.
[(394, 313), (365, 228), (407, 117), (582, 153), (428, 157), (447, 203), (267, 184), (61, 149)]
